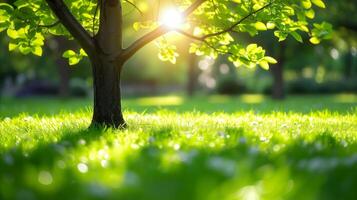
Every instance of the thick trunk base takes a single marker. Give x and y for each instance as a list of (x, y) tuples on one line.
[(107, 100)]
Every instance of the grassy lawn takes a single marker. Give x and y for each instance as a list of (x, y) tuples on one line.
[(216, 147)]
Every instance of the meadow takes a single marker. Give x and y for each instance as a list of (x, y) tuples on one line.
[(247, 147)]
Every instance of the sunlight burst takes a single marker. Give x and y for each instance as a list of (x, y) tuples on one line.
[(172, 18)]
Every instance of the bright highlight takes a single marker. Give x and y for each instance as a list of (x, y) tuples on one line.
[(172, 18)]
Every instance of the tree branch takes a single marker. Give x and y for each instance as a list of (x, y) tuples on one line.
[(202, 40), (149, 37), (229, 29), (235, 24), (66, 18), (134, 6), (50, 25)]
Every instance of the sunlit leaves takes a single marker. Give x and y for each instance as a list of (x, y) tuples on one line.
[(271, 25), (285, 18), (5, 14), (73, 57), (270, 60), (144, 25), (26, 41), (314, 40), (306, 4), (260, 26), (310, 13), (13, 34), (251, 56), (320, 32), (29, 21), (167, 52), (319, 3)]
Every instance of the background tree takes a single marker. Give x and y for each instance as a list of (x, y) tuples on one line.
[(97, 25)]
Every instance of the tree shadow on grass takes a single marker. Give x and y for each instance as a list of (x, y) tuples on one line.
[(318, 169)]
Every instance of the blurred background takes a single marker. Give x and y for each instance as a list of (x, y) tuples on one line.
[(328, 68)]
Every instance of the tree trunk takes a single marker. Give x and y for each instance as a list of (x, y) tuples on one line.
[(64, 74), (106, 69), (192, 75), (107, 99), (62, 66), (277, 71), (348, 63)]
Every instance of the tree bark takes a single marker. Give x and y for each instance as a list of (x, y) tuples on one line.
[(348, 71), (107, 68), (107, 99), (191, 74), (62, 66), (64, 75), (277, 71)]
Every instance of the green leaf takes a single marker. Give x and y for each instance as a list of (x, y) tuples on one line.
[(252, 47), (74, 60), (37, 41), (144, 25), (7, 7), (264, 64), (73, 57), (310, 13), (37, 51), (281, 35), (12, 46), (297, 36), (69, 54), (260, 26), (82, 52), (306, 4), (315, 40), (25, 49), (319, 3), (270, 60), (271, 25), (12, 33)]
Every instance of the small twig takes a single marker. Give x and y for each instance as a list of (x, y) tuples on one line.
[(50, 25), (136, 8)]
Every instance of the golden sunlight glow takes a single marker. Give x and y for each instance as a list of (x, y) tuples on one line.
[(172, 18)]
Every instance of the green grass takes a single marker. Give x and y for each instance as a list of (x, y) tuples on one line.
[(215, 147)]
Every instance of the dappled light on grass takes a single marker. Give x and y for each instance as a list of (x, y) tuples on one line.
[(252, 98), (160, 101), (345, 98)]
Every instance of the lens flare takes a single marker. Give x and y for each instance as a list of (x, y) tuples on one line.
[(172, 18)]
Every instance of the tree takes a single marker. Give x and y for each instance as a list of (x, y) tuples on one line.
[(97, 25), (277, 72)]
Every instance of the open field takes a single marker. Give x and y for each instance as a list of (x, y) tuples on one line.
[(214, 147)]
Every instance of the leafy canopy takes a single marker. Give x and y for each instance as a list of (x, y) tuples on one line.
[(215, 26)]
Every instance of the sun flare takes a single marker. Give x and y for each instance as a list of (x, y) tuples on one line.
[(172, 18)]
